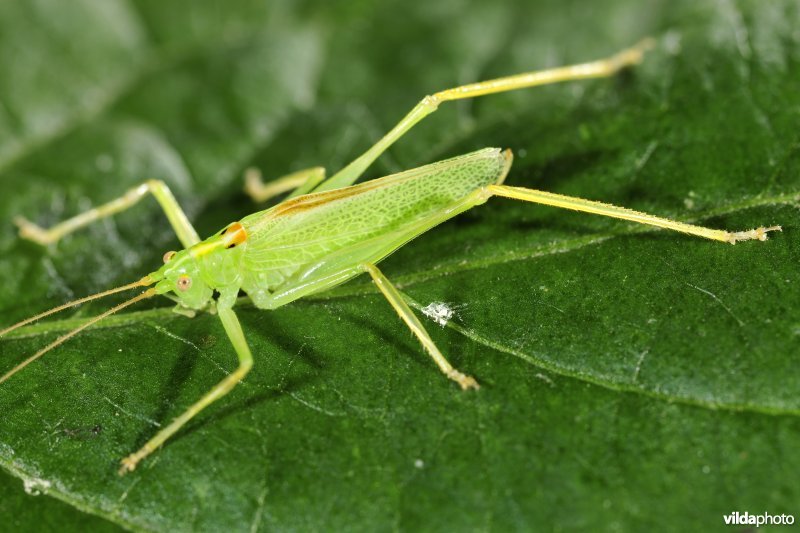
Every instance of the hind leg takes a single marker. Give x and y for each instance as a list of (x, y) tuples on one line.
[(595, 69), (599, 208)]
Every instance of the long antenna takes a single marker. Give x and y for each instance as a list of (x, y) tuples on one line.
[(146, 294), (144, 282)]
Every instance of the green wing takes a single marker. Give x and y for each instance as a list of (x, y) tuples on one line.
[(311, 238)]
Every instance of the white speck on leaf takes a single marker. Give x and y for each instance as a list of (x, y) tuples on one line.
[(439, 312), (689, 200), (419, 463), (35, 486)]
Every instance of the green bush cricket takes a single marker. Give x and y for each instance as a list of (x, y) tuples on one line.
[(328, 231)]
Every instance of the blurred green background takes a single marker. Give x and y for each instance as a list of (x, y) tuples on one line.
[(632, 379)]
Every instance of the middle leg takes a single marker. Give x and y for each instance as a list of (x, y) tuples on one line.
[(300, 182)]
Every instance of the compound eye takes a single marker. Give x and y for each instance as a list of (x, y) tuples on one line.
[(184, 283), (168, 256)]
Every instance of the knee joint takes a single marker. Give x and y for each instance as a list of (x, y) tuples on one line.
[(432, 101), (154, 185), (244, 368)]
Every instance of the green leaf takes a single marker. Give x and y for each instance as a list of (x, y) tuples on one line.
[(631, 378), (29, 512)]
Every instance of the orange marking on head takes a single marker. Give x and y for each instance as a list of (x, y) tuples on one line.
[(234, 235)]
